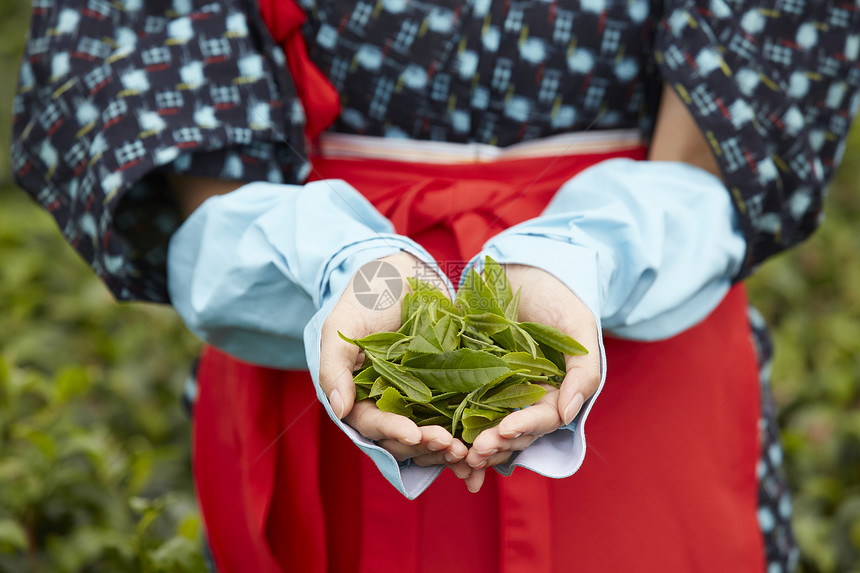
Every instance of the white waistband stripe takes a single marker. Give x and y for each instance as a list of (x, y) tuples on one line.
[(348, 146)]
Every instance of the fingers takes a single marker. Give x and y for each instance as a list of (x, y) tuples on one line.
[(495, 450), (337, 360), (374, 424), (581, 381), (475, 480), (547, 300), (539, 419)]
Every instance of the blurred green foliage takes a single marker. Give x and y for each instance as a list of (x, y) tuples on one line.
[(95, 471), (94, 448), (811, 299)]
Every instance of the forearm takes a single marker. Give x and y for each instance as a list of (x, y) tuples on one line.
[(191, 191), (678, 138)]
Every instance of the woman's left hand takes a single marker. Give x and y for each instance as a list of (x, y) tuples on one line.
[(547, 300)]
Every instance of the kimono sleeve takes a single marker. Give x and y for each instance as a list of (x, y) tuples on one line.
[(774, 87), (111, 95)]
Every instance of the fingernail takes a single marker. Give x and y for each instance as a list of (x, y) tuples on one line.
[(462, 474), (480, 465), (408, 441), (573, 408), (435, 446), (510, 434), (336, 403), (473, 490), (489, 452), (451, 458)]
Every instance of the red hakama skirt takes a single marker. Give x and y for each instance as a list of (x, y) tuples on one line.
[(668, 484)]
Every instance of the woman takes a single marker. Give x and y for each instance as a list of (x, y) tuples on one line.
[(116, 99)]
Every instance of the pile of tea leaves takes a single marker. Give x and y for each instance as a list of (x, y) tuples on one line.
[(463, 365)]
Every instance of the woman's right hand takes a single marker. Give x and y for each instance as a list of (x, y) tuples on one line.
[(429, 445)]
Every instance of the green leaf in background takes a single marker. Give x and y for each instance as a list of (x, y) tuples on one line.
[(461, 370), (554, 338), (498, 283), (392, 401), (12, 536), (400, 378)]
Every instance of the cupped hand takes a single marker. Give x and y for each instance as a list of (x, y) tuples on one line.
[(429, 445), (547, 300)]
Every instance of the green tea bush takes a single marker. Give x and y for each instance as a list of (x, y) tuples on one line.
[(94, 447)]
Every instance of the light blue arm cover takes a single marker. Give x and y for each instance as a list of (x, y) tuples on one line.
[(649, 247), (256, 272)]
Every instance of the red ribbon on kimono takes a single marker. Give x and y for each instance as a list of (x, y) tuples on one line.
[(284, 19)]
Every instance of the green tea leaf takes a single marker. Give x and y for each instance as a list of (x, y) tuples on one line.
[(406, 327), (407, 308), (476, 416), (362, 393), (513, 308), (461, 370), (516, 396), (443, 397), (536, 366), (461, 407), (476, 334), (553, 356), (497, 282), (378, 342), (487, 323), (421, 345), (425, 292), (476, 420), (426, 341), (554, 338), (434, 421), (365, 377), (505, 339), (392, 401), (475, 297), (379, 387), (400, 378), (448, 333), (429, 410), (523, 340)]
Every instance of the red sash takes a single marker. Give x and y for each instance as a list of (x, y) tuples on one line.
[(668, 483)]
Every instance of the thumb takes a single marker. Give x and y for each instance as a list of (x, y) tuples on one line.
[(580, 382), (337, 361)]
